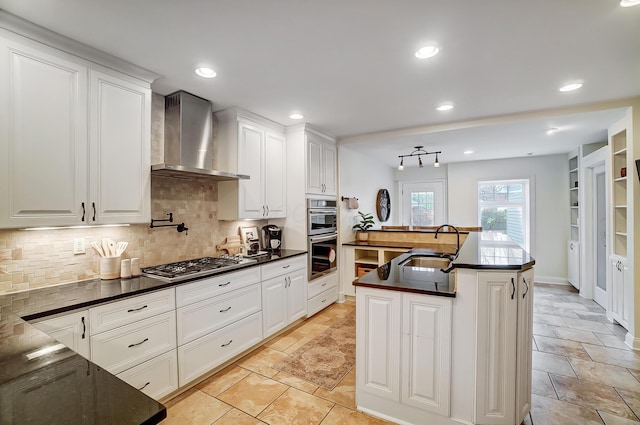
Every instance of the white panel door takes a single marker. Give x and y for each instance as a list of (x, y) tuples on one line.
[(120, 133), (496, 357), (314, 166), (275, 175), (378, 342), (250, 162), (426, 352), (296, 294), (329, 161), (274, 305), (523, 348), (71, 329), (615, 290), (43, 137)]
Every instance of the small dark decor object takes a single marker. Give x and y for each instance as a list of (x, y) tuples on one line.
[(383, 205), (623, 172)]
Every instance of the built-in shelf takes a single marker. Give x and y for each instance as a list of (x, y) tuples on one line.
[(619, 179), (621, 234), (621, 152), (621, 206)]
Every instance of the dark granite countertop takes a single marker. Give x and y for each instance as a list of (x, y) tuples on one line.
[(475, 253), (63, 387)]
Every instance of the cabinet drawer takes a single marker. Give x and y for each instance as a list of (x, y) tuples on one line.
[(200, 356), (127, 346), (130, 310), (321, 301), (156, 377), (212, 286), (322, 284), (281, 267), (198, 319)]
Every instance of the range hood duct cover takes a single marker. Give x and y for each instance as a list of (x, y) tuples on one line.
[(188, 140)]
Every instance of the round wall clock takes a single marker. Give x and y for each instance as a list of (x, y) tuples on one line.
[(383, 205)]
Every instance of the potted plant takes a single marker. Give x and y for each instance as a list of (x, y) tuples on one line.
[(366, 223)]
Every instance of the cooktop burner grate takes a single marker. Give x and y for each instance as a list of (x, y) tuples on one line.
[(183, 270)]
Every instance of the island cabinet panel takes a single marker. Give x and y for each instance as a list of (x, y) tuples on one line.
[(378, 343), (523, 345), (496, 356), (426, 352)]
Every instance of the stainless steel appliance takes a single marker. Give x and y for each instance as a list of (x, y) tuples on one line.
[(322, 216), (322, 225), (272, 237), (200, 267)]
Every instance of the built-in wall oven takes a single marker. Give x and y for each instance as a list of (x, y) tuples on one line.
[(322, 232)]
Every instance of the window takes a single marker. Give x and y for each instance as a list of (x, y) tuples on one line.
[(503, 209), (423, 203)]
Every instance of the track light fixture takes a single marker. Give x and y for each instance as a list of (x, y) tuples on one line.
[(419, 152)]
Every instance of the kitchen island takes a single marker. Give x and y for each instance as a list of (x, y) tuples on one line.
[(443, 340)]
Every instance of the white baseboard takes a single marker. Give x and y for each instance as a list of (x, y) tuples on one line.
[(551, 279), (632, 342)]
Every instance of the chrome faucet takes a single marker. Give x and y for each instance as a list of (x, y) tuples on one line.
[(457, 240)]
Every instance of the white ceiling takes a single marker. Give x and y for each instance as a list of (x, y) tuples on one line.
[(349, 65)]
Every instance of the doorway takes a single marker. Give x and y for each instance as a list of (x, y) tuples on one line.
[(423, 203), (600, 235)]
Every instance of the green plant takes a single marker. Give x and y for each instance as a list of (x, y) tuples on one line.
[(366, 222)]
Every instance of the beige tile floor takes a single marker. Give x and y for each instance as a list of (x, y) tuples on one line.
[(583, 375)]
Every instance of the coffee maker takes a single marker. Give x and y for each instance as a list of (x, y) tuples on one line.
[(272, 237)]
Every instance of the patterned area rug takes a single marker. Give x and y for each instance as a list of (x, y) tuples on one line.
[(327, 358)]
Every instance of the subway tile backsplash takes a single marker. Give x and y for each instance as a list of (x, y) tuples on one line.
[(31, 259)]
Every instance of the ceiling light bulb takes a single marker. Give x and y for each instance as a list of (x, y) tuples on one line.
[(436, 163), (571, 87), (401, 166), (205, 72), (468, 152), (420, 162), (445, 107), (427, 52), (552, 130), (629, 3), (296, 116)]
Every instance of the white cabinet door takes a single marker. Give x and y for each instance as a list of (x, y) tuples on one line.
[(43, 137), (314, 166), (627, 295), (497, 307), (274, 305), (616, 290), (523, 345), (378, 344), (574, 263), (120, 132), (250, 162), (71, 329), (156, 377), (296, 295), (426, 352), (275, 175), (330, 166)]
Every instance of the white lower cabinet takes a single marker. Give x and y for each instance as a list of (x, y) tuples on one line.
[(70, 329), (321, 293), (156, 377), (283, 296), (403, 349), (620, 292), (200, 356)]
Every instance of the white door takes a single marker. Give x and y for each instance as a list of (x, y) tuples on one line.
[(423, 203), (600, 232)]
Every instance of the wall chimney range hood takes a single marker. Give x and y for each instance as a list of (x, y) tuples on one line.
[(188, 140)]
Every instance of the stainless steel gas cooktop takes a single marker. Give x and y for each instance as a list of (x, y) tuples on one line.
[(200, 267)]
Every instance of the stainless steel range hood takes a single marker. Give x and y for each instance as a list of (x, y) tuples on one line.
[(188, 140)]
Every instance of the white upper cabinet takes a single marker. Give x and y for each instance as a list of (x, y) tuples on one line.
[(74, 140), (321, 166), (251, 145)]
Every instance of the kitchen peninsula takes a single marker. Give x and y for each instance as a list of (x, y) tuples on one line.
[(444, 339)]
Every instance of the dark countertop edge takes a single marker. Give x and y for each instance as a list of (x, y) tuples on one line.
[(161, 285), (518, 267), (158, 417), (367, 245), (405, 289)]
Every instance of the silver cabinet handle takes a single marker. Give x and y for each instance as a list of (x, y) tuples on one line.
[(224, 310), (144, 386), (224, 345), (267, 209), (138, 343), (137, 309)]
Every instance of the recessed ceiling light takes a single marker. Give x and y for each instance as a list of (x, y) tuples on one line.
[(427, 52), (445, 107), (205, 72), (629, 3), (570, 87), (468, 152), (296, 116), (529, 153), (552, 130)]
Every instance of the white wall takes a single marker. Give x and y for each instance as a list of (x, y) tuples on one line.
[(550, 218)]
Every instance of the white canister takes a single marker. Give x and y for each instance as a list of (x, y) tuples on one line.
[(125, 269), (135, 267), (109, 267)]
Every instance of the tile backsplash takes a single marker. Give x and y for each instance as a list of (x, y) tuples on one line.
[(31, 259)]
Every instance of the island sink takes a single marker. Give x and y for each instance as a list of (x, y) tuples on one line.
[(431, 262)]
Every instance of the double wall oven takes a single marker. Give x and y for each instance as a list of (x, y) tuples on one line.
[(322, 233)]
